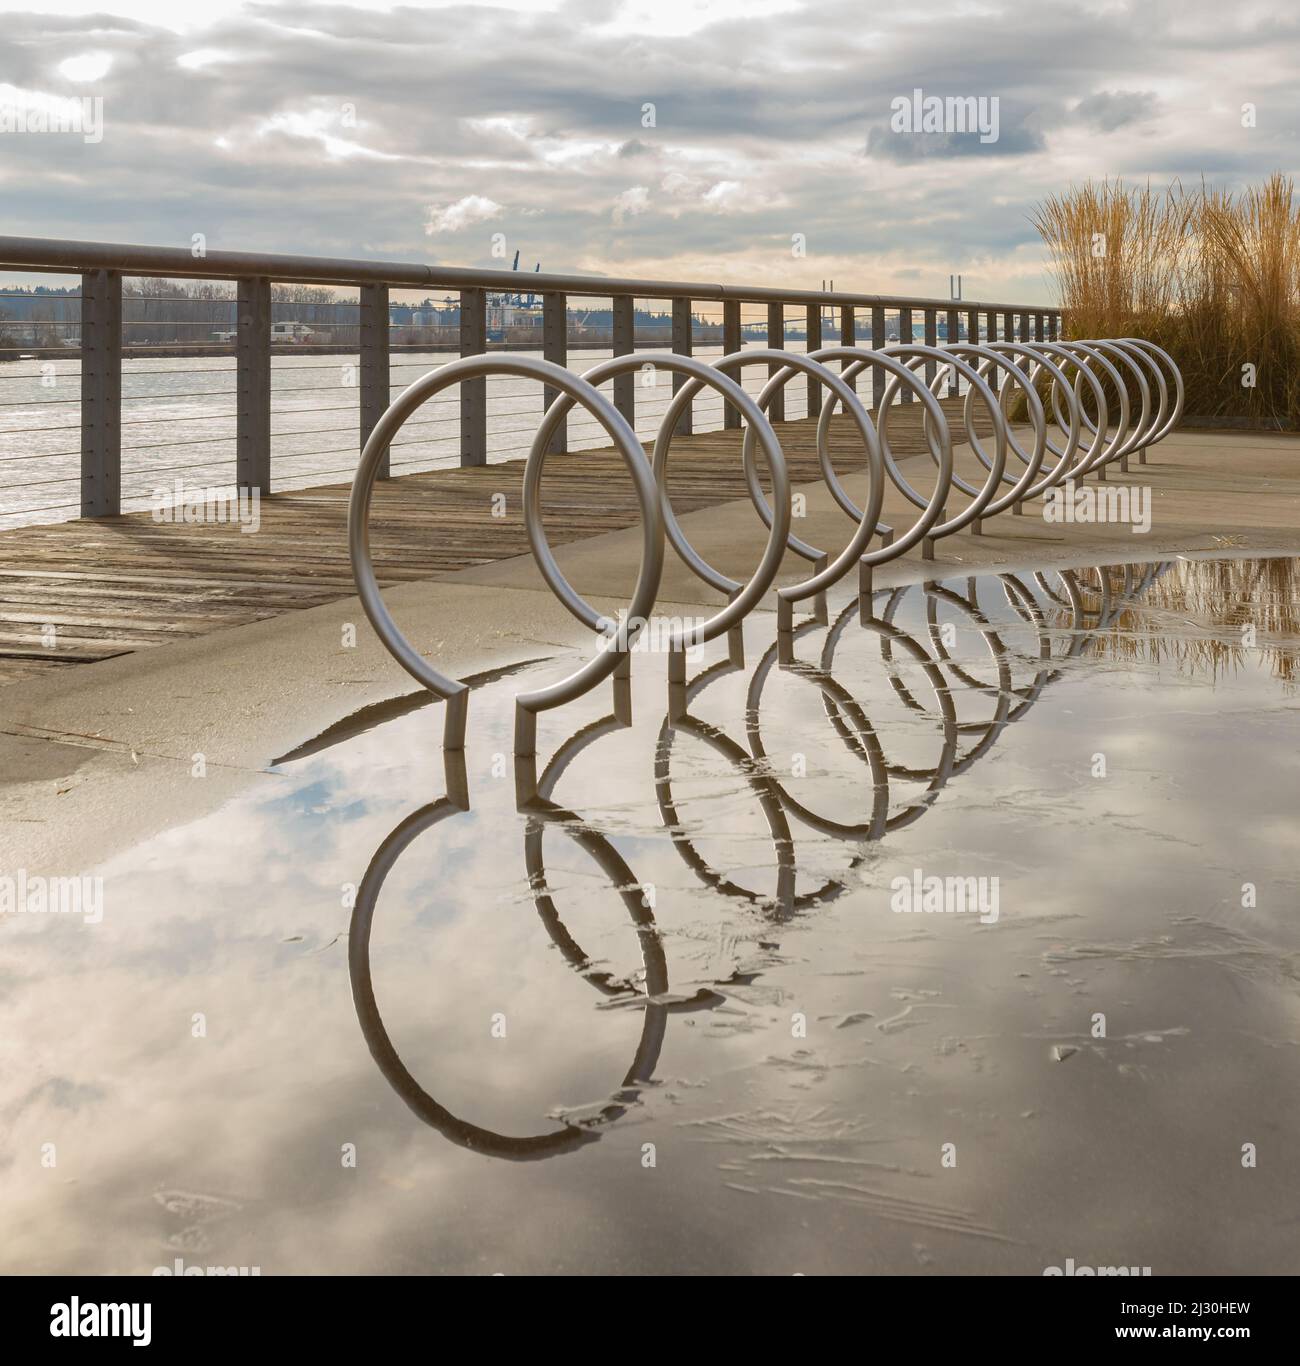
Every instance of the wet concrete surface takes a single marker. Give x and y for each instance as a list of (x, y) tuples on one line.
[(684, 996)]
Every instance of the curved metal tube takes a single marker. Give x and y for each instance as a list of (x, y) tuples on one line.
[(527, 705), (741, 598), (1136, 377)]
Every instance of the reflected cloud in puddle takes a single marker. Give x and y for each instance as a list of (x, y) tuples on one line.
[(667, 954)]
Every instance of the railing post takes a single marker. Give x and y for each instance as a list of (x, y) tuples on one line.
[(376, 384), (994, 377), (555, 347), (1038, 327), (973, 325), (776, 340), (954, 334), (1022, 362), (682, 347), (849, 335), (731, 343), (253, 386), (878, 340), (848, 326), (931, 339), (624, 345), (101, 393), (813, 342), (473, 392), (905, 339)]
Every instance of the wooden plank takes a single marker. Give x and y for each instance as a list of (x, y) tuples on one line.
[(123, 583)]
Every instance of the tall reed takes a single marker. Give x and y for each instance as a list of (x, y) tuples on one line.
[(1212, 277)]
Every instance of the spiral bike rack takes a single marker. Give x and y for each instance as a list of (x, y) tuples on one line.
[(1088, 404), (619, 635)]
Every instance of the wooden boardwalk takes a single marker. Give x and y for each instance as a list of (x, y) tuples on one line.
[(110, 586)]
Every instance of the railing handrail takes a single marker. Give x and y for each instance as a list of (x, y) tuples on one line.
[(59, 255), (104, 268)]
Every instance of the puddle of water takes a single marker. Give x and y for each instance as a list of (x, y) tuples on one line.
[(671, 1016)]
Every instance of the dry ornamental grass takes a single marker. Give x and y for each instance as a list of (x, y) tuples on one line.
[(1212, 277)]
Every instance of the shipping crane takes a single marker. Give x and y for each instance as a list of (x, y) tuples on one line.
[(522, 300)]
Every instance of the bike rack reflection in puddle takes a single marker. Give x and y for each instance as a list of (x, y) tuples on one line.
[(750, 761)]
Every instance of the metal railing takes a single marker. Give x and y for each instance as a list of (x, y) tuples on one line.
[(233, 431)]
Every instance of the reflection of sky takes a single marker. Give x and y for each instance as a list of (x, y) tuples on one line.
[(1118, 895)]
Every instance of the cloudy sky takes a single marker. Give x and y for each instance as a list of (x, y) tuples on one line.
[(419, 132)]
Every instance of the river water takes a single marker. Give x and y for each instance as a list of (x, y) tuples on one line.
[(178, 423)]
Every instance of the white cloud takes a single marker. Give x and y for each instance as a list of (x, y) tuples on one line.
[(324, 126), (718, 196), (86, 66), (630, 203), (474, 208), (500, 123), (682, 18), (201, 57), (727, 196)]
